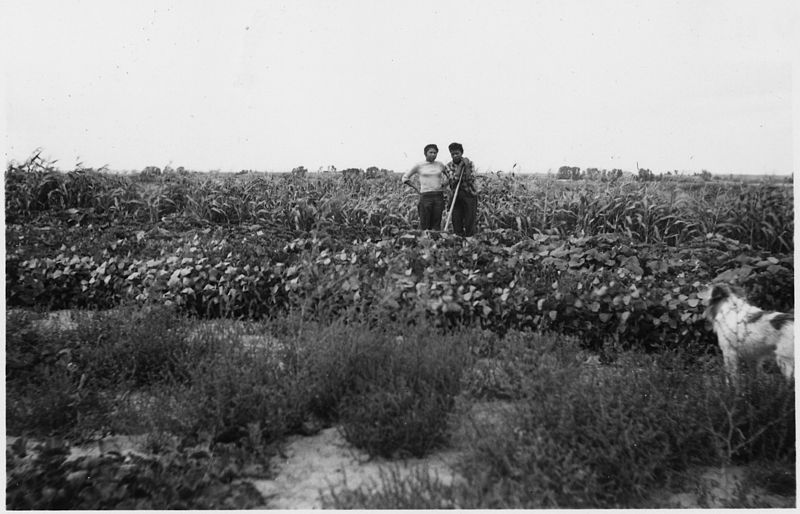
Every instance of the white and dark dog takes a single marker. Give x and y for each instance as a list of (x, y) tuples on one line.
[(748, 333)]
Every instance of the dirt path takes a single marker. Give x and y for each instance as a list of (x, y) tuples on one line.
[(318, 464)]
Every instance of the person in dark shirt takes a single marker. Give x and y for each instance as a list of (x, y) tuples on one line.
[(465, 209)]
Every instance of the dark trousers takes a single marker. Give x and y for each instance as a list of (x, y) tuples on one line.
[(465, 214), (430, 209)]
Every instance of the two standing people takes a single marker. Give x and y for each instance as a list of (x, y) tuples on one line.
[(434, 178)]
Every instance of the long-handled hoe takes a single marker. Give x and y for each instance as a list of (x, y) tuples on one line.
[(453, 204)]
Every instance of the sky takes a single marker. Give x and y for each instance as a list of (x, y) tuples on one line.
[(525, 85)]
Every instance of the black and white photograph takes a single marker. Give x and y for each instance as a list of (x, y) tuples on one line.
[(417, 255)]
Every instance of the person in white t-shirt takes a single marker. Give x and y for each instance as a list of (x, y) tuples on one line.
[(433, 182)]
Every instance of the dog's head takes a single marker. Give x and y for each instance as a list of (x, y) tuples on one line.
[(717, 295)]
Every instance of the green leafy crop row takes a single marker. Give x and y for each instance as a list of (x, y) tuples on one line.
[(51, 481), (603, 288)]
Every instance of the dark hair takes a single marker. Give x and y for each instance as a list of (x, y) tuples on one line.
[(427, 147), (455, 146)]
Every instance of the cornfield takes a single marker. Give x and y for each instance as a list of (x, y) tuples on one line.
[(760, 215)]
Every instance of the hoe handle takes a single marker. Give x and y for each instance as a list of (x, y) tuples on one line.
[(453, 204)]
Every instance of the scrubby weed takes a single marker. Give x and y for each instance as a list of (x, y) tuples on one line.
[(397, 420), (575, 437), (234, 386), (553, 451), (242, 388), (759, 485), (774, 478), (580, 435), (137, 347), (603, 436), (390, 392), (753, 420), (68, 378), (234, 390), (504, 364), (422, 489), (333, 359), (52, 403), (391, 387), (45, 389)]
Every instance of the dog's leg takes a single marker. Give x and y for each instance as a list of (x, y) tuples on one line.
[(731, 361), (786, 365), (784, 353)]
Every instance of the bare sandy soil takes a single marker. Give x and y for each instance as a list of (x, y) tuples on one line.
[(324, 462)]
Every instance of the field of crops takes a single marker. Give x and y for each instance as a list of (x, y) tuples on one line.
[(333, 265)]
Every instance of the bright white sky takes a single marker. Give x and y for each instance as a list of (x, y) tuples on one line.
[(270, 85)]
